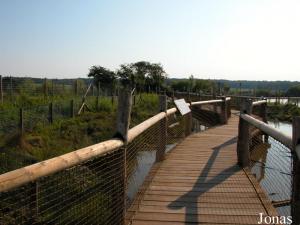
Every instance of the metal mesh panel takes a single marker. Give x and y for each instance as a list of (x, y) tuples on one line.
[(271, 163), (33, 116), (89, 193), (141, 155), (175, 130), (9, 120), (208, 115)]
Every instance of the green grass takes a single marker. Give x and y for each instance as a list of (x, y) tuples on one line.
[(67, 134)]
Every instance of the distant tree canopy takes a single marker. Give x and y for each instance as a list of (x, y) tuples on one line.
[(105, 76), (192, 85), (293, 91)]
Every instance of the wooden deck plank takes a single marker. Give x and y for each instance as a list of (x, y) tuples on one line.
[(200, 182)]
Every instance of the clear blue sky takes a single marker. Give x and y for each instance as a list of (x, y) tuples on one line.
[(232, 39)]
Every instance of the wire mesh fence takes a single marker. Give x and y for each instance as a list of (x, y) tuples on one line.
[(208, 115), (88, 193), (97, 191), (271, 163)]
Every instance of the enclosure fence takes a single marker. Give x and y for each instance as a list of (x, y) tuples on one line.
[(102, 183)]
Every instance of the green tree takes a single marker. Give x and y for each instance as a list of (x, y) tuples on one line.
[(157, 75), (293, 91), (105, 76), (126, 75)]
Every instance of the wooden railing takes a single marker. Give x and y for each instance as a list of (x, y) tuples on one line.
[(101, 171), (249, 142)]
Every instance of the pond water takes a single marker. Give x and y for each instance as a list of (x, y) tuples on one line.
[(285, 100), (145, 160), (272, 165)]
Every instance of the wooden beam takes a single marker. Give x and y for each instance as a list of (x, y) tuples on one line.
[(123, 115), (162, 133)]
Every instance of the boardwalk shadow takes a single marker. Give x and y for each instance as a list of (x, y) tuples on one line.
[(189, 200)]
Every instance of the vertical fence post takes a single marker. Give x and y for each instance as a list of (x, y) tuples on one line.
[(188, 123), (52, 87), (11, 89), (228, 102), (123, 121), (224, 112), (72, 108), (45, 88), (243, 136), (50, 114), (123, 116), (21, 121), (162, 135), (98, 96), (76, 87), (1, 89), (263, 111), (295, 206)]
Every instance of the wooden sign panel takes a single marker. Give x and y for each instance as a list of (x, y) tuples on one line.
[(182, 106)]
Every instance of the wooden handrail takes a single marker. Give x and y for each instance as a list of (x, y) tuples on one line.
[(206, 102), (19, 177), (259, 102), (269, 130), (140, 128), (30, 173)]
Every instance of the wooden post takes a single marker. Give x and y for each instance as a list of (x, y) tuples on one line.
[(50, 115), (21, 121), (45, 88), (162, 134), (52, 87), (123, 115), (263, 111), (72, 108), (123, 121), (243, 136), (228, 108), (295, 204), (76, 87), (188, 123), (1, 89), (224, 112), (98, 96), (11, 89)]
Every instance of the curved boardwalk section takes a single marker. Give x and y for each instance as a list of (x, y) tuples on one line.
[(200, 182)]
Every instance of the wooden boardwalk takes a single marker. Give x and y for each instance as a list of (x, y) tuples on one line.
[(200, 182)]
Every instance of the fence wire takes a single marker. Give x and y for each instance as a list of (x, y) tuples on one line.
[(89, 193), (98, 191), (271, 163), (207, 115)]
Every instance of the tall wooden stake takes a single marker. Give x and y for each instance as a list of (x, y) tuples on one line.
[(243, 136), (123, 121), (162, 134)]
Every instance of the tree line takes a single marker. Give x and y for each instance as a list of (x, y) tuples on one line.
[(142, 75)]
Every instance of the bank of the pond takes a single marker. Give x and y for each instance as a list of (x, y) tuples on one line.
[(283, 112)]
